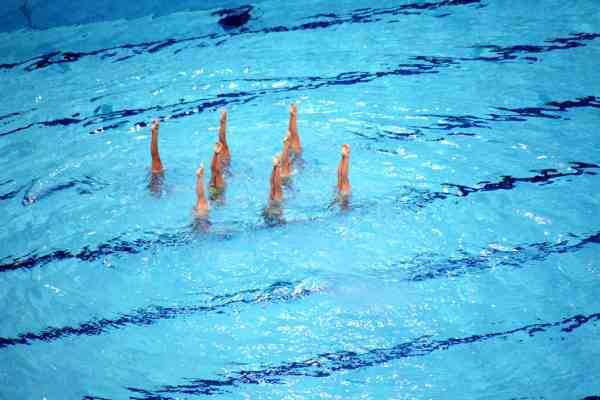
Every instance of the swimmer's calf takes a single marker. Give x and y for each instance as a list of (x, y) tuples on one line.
[(276, 192), (295, 145), (157, 166), (286, 162), (273, 214), (343, 185), (201, 208), (217, 183), (225, 155)]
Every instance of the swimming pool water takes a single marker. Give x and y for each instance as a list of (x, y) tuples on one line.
[(466, 267)]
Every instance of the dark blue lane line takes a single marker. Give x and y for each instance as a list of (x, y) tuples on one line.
[(453, 125), (553, 107), (83, 186), (419, 65), (544, 177), (549, 110), (277, 292), (131, 50), (12, 193), (14, 114), (507, 53), (416, 198), (425, 268), (326, 364)]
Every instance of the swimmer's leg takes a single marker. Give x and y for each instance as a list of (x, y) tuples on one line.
[(217, 182), (201, 209), (157, 166), (225, 155), (286, 162), (296, 147), (276, 192), (343, 184)]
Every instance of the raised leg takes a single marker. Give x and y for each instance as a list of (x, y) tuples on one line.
[(217, 183), (157, 166), (201, 208), (225, 155), (343, 184), (295, 145), (273, 214), (286, 162), (276, 193)]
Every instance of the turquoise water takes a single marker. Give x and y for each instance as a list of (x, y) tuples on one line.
[(466, 267)]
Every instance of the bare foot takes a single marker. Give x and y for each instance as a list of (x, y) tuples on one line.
[(200, 171), (345, 150), (155, 125)]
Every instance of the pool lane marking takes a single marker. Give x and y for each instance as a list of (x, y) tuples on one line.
[(420, 65), (150, 47), (281, 291), (326, 364), (419, 269), (420, 200), (454, 124)]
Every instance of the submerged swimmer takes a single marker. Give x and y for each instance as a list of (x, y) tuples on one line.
[(217, 183), (225, 155), (273, 214), (157, 170), (343, 184), (295, 146)]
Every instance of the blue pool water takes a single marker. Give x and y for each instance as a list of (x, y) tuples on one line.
[(467, 266)]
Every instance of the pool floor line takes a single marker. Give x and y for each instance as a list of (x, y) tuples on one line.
[(326, 364), (281, 291), (154, 46)]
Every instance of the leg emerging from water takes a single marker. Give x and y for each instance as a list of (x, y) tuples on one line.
[(157, 166), (201, 209), (343, 184), (274, 212), (286, 162), (156, 170), (295, 145), (225, 155), (201, 224), (217, 183)]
